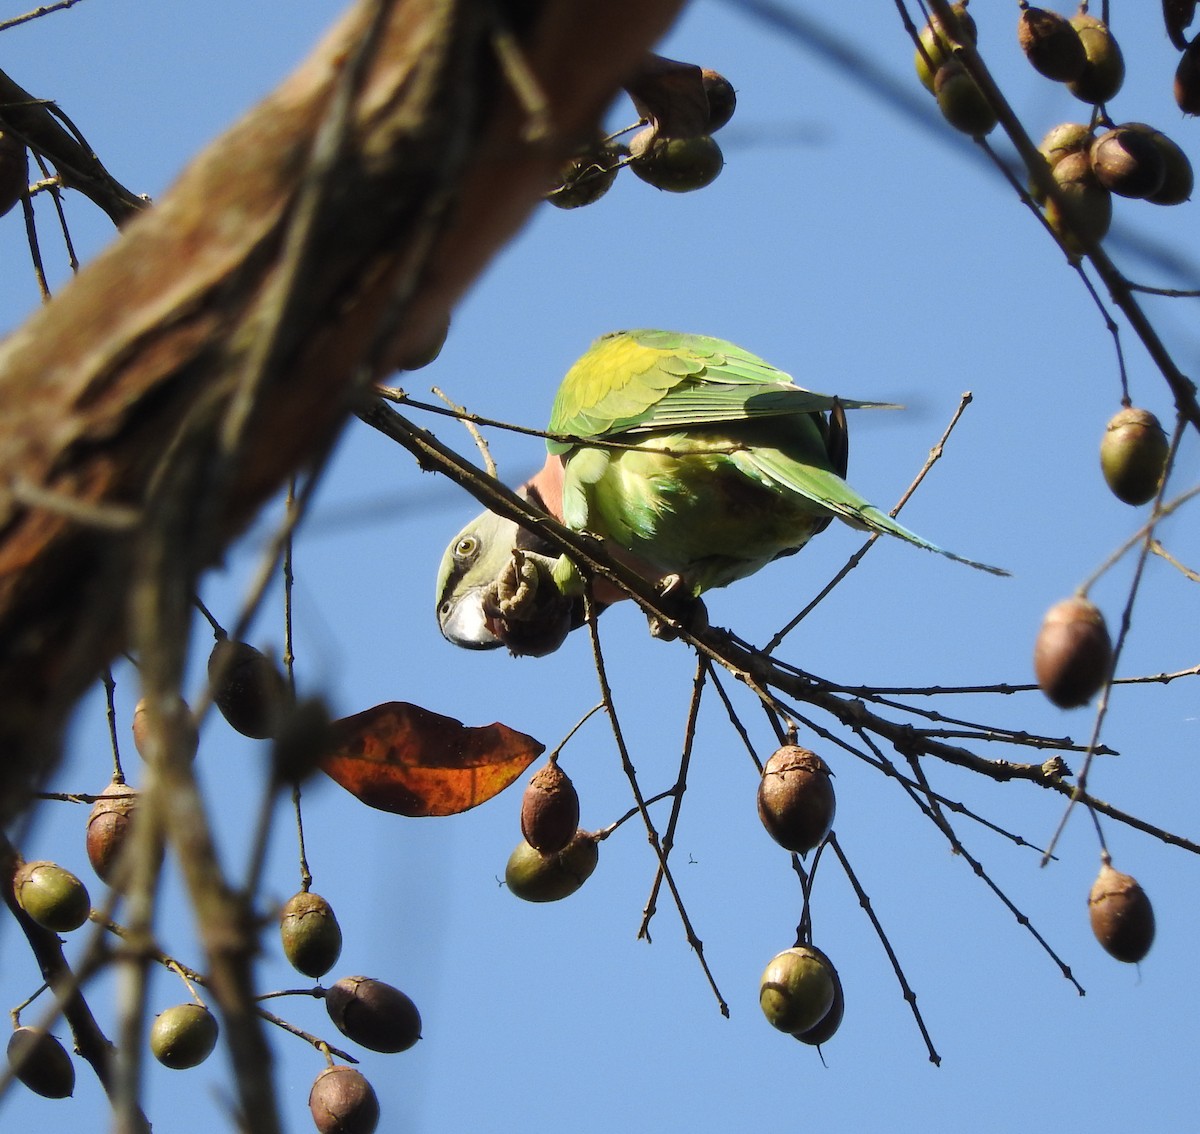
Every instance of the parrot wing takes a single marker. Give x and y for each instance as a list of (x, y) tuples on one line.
[(641, 381)]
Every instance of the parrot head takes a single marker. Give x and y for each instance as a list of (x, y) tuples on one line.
[(469, 569)]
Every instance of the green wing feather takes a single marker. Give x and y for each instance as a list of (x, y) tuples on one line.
[(639, 381)]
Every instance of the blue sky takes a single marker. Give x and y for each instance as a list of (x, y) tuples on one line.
[(868, 256)]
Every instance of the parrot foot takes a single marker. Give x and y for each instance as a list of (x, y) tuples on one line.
[(683, 608)]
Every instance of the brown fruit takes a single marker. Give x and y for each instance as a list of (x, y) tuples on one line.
[(795, 798), (247, 688), (183, 1036), (343, 1102), (1187, 79), (41, 1063), (182, 725), (1133, 455), (796, 991), (1051, 44), (1178, 178), (587, 176), (825, 1028), (1089, 203), (51, 895), (309, 931), (108, 827), (722, 98), (937, 42), (549, 810), (1104, 72), (1121, 915), (961, 101), (373, 1013), (14, 171), (426, 351), (1060, 141), (1128, 163), (677, 165), (1073, 653), (536, 877)]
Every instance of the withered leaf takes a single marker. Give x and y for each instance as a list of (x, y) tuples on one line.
[(671, 95), (403, 758)]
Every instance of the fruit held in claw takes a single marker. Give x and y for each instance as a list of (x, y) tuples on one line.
[(677, 165), (248, 688), (309, 931), (549, 810), (1104, 72), (796, 801), (1073, 652), (108, 827), (342, 1101), (937, 43), (373, 1013), (1128, 163), (536, 877), (183, 1036), (1133, 455), (1051, 44), (1121, 915), (39, 1061), (961, 101), (796, 991), (825, 1028), (51, 895)]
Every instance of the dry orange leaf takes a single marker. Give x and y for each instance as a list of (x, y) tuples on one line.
[(403, 758)]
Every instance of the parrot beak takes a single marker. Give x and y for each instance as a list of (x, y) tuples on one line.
[(463, 621)]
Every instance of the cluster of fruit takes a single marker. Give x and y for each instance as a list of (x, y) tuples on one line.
[(674, 151), (800, 991)]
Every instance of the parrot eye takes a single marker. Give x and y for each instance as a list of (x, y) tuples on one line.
[(465, 547)]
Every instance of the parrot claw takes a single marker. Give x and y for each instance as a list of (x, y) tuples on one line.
[(684, 608), (517, 587)]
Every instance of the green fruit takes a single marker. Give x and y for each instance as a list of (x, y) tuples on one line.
[(1090, 204), (678, 165), (373, 1013), (183, 1036), (247, 688), (309, 931), (536, 877), (1060, 141), (1073, 653), (1104, 72), (549, 810), (1128, 163), (825, 1029), (52, 896), (108, 827), (343, 1102), (797, 989), (795, 798), (1121, 915), (41, 1063), (961, 100), (587, 176), (1051, 44), (1133, 455), (937, 43)]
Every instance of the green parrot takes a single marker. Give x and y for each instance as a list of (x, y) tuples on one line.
[(694, 461)]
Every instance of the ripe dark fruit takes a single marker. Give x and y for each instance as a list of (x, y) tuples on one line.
[(722, 98), (311, 936), (549, 810), (795, 798), (14, 170), (41, 1063), (52, 896), (678, 165), (108, 827), (1090, 204), (1051, 44), (1128, 163), (343, 1102), (825, 1029), (961, 101), (797, 989), (424, 352), (1178, 15), (183, 1036), (1178, 178), (938, 40), (1133, 455), (248, 689), (1073, 653), (1104, 72), (587, 176), (536, 877), (1187, 79), (373, 1013), (1121, 915)]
